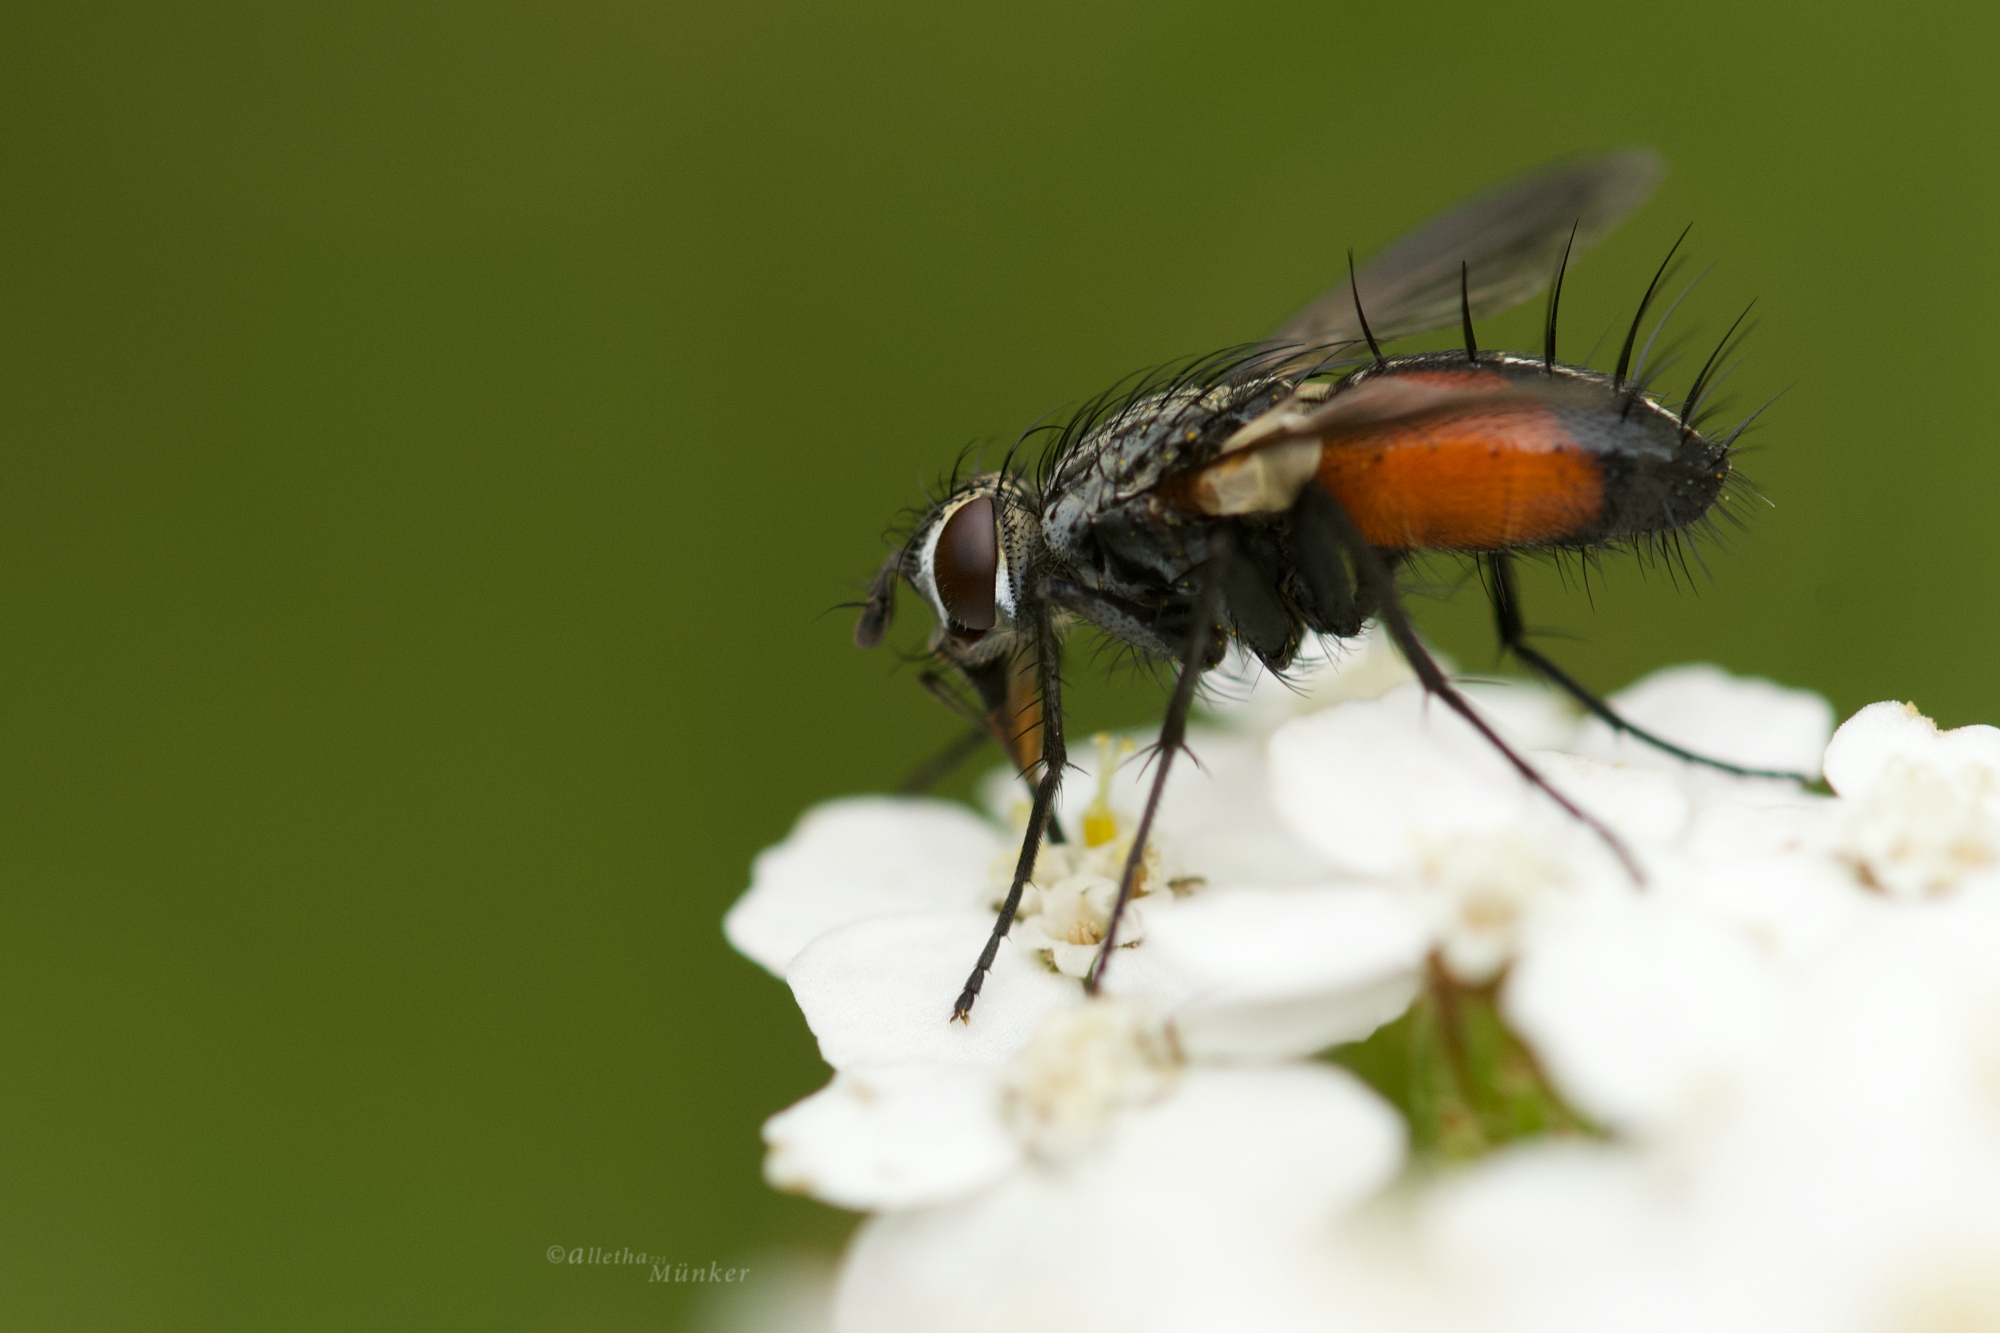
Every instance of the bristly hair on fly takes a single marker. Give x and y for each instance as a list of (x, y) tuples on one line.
[(1670, 549), (1189, 393), (1187, 389)]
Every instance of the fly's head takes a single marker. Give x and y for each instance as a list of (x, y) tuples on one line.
[(972, 557)]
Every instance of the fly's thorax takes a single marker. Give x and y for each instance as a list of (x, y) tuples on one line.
[(1104, 490), (1142, 551), (973, 558), (1110, 469), (1110, 530)]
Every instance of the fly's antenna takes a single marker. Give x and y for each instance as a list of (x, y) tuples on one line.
[(1632, 334), (1366, 332), (1464, 310), (1555, 300), (1694, 390), (1639, 371)]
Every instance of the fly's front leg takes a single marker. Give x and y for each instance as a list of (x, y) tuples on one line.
[(1513, 637), (1048, 649), (1117, 617)]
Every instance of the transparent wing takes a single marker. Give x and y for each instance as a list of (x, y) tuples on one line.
[(1510, 237)]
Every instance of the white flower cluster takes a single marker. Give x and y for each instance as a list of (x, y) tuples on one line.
[(1759, 1091)]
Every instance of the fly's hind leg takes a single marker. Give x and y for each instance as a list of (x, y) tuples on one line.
[(1513, 638), (1318, 510)]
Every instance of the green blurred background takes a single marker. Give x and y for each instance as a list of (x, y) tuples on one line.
[(433, 434)]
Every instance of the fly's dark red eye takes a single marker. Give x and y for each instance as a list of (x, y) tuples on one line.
[(968, 556)]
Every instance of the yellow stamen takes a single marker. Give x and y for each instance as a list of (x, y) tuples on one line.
[(1099, 824)]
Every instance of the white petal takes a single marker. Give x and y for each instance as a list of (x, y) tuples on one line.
[(1255, 973), (1540, 1206), (1920, 812), (1215, 813), (1785, 904), (1073, 960), (1371, 784), (1644, 806), (1562, 1237), (897, 1136), (1179, 1223), (1083, 1073), (851, 859), (1644, 1015), (1289, 1145), (1866, 743), (1529, 716), (880, 991), (1326, 671), (1862, 1171), (1739, 719), (1732, 828)]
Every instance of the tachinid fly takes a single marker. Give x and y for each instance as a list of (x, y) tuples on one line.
[(1272, 490)]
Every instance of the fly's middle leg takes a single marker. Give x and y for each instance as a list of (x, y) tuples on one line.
[(1201, 645)]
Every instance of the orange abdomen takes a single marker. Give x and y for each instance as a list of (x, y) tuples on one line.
[(1503, 476)]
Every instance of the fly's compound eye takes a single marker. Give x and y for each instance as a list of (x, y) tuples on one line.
[(967, 559)]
